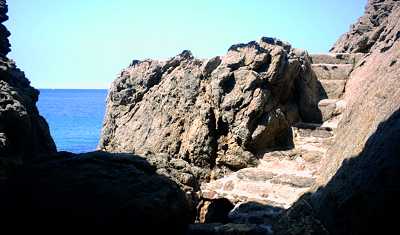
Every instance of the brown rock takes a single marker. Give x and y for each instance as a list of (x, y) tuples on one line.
[(332, 89), (376, 29), (209, 113), (332, 71)]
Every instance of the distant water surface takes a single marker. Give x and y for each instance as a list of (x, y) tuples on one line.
[(75, 117)]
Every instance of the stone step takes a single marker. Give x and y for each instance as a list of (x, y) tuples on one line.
[(295, 167), (254, 213), (332, 71), (274, 182), (332, 123), (309, 125), (315, 133), (332, 89), (229, 229), (303, 154), (278, 181), (262, 192), (336, 58), (312, 144), (330, 108)]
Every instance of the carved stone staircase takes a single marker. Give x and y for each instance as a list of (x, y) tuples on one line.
[(260, 193)]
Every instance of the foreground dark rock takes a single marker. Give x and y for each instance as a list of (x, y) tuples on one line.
[(97, 190)]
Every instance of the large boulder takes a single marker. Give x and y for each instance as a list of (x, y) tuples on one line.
[(95, 190), (213, 114)]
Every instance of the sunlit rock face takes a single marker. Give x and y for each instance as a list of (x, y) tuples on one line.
[(214, 114), (376, 28), (24, 134)]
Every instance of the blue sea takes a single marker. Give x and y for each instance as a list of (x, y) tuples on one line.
[(75, 117)]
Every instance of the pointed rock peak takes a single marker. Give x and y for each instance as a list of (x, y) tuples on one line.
[(236, 47), (3, 11), (134, 62), (186, 54), (275, 41)]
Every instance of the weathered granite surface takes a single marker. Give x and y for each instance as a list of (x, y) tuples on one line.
[(375, 29), (215, 114)]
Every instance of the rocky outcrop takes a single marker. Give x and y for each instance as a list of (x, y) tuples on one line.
[(376, 29), (24, 134), (214, 114)]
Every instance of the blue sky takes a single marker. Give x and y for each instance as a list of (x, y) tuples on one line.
[(86, 43)]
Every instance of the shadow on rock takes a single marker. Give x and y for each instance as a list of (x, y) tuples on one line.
[(95, 190), (363, 195), (361, 198)]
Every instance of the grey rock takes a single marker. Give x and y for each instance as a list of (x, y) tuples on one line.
[(24, 134), (213, 113)]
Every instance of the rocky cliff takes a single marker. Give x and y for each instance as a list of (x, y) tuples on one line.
[(24, 134), (376, 28), (363, 165)]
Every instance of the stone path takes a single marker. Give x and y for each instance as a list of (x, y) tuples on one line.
[(282, 177)]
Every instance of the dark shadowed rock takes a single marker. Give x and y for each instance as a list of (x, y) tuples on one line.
[(4, 33), (97, 190), (24, 134)]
